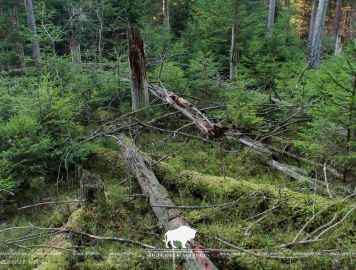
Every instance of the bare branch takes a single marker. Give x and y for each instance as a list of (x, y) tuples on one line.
[(161, 159), (197, 207), (11, 193), (338, 223), (274, 207), (326, 181), (251, 225), (33, 205)]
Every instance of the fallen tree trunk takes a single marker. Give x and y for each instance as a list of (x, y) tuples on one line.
[(158, 195), (205, 125), (188, 110), (332, 170)]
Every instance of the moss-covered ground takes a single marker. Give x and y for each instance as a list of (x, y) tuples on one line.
[(195, 174)]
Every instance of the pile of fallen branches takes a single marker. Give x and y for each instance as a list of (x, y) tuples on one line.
[(272, 155)]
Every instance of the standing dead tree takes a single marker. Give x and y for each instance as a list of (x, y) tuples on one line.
[(19, 45), (234, 51), (137, 60), (272, 8), (165, 9), (32, 26)]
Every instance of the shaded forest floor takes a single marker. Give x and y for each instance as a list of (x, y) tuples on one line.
[(271, 212)]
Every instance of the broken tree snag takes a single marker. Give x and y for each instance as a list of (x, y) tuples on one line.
[(91, 187), (188, 110), (75, 51), (158, 195), (234, 48), (139, 90)]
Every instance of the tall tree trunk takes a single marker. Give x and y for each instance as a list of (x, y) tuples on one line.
[(137, 60), (272, 8), (234, 49), (166, 12), (32, 26), (337, 17), (19, 45), (318, 33), (312, 21)]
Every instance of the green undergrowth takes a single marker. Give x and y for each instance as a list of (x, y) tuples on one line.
[(195, 174), (235, 225)]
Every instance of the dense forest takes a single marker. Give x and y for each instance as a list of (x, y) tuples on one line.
[(124, 121)]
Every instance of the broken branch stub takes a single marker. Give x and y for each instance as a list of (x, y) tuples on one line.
[(91, 187)]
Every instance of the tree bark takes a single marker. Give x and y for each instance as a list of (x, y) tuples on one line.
[(166, 12), (75, 51), (338, 43), (312, 21), (158, 195), (337, 17), (188, 110), (272, 8), (318, 34), (139, 89), (234, 48), (19, 45), (32, 26), (91, 187)]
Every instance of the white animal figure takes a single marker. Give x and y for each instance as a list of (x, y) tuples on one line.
[(182, 234)]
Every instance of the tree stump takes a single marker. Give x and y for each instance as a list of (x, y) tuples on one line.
[(91, 187)]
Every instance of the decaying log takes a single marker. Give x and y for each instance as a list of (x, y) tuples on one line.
[(332, 170), (158, 195), (289, 171), (188, 110), (91, 187), (255, 146)]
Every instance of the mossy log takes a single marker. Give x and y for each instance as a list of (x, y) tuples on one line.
[(91, 187), (158, 195), (232, 189)]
